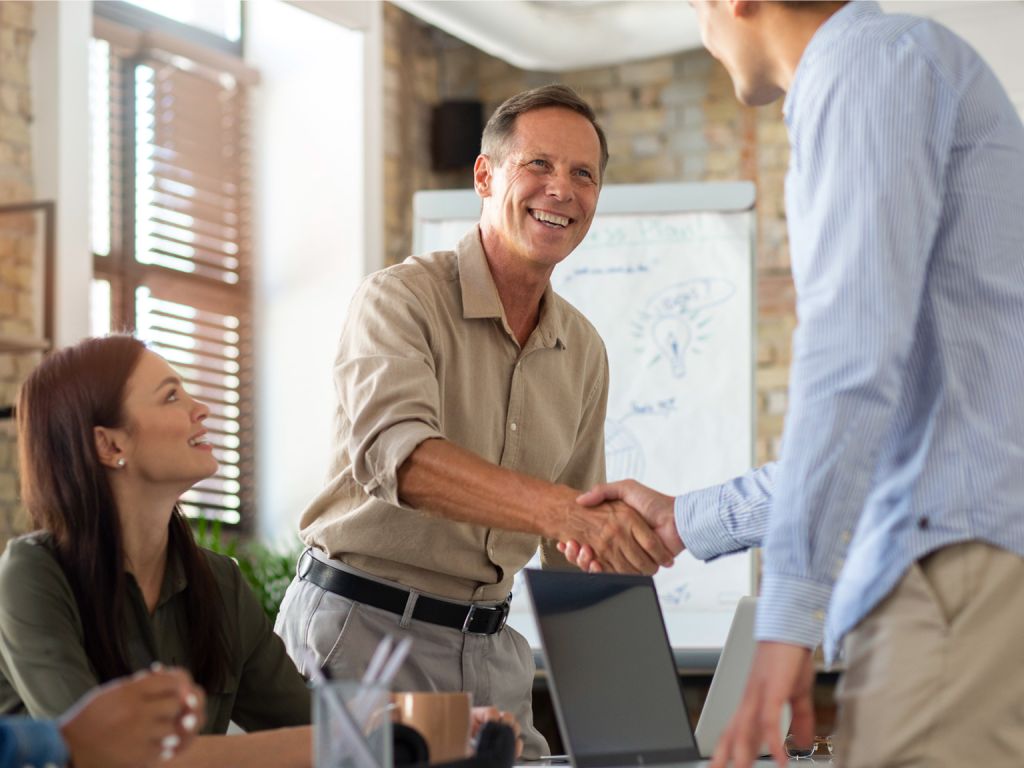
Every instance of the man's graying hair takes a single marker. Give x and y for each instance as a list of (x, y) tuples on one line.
[(502, 125)]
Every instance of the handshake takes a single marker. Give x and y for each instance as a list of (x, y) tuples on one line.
[(623, 527)]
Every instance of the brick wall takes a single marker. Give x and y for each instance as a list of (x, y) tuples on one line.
[(18, 238), (673, 118)]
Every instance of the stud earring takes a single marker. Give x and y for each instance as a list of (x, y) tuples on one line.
[(120, 463)]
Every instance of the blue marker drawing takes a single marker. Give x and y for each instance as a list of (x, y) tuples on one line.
[(676, 595), (676, 320), (623, 452)]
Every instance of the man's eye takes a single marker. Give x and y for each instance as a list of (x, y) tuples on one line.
[(172, 396), (585, 173), (539, 163)]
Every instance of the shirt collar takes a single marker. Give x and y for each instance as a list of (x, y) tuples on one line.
[(175, 580), (833, 29), (480, 295), (551, 325)]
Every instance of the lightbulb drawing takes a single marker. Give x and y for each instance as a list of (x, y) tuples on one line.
[(672, 335), (677, 320)]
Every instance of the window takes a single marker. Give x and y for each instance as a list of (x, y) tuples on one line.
[(170, 230), (222, 18)]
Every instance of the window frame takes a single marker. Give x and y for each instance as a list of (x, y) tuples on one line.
[(143, 19), (125, 273)]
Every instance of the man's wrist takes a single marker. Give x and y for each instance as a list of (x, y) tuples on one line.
[(564, 517)]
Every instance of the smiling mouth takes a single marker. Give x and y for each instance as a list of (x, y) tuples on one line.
[(196, 442), (550, 219)]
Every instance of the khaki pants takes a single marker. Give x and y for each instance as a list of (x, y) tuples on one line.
[(935, 673), (498, 669)]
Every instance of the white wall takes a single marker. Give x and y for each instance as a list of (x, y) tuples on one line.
[(60, 150), (310, 238)]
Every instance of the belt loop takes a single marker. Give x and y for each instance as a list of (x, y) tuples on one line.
[(410, 606), (304, 563)]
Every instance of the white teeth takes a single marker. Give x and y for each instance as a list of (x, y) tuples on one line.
[(550, 218), (194, 441)]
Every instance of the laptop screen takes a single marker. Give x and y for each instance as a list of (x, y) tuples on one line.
[(611, 669)]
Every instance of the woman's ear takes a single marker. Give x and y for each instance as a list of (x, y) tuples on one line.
[(109, 447)]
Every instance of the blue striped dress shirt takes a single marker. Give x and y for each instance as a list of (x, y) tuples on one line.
[(27, 743), (905, 430)]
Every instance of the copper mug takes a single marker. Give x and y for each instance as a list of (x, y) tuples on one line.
[(443, 719)]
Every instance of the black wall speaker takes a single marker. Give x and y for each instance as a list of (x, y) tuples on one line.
[(455, 134)]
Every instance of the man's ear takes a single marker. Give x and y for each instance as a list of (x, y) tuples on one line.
[(482, 175), (109, 446)]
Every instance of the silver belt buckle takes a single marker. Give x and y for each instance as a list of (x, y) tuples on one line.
[(469, 620), (502, 609)]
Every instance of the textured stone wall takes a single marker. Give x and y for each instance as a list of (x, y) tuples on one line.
[(673, 118), (18, 239)]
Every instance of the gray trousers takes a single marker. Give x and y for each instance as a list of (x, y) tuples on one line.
[(498, 669), (935, 673)]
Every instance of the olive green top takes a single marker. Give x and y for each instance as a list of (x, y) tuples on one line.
[(44, 669)]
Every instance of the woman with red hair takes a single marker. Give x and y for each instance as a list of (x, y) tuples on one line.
[(113, 581)]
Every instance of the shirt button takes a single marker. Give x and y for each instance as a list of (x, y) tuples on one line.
[(922, 523), (514, 426), (846, 537), (819, 615)]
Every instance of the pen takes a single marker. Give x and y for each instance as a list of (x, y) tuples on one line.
[(390, 669), (377, 660)]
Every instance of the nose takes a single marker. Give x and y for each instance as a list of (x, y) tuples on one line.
[(200, 411), (560, 186)]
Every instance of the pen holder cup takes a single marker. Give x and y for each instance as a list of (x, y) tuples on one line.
[(351, 726)]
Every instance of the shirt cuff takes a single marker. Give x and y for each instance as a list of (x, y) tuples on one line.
[(392, 447), (38, 742), (791, 610), (700, 524)]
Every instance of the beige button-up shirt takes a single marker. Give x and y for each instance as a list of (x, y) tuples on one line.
[(426, 352)]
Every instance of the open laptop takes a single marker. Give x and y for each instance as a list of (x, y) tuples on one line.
[(613, 675), (730, 680)]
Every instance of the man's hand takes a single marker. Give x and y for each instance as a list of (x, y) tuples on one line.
[(781, 673), (446, 480), (133, 723), (657, 509), (617, 535), (480, 715)]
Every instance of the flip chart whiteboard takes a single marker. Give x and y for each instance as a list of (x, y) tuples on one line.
[(666, 276)]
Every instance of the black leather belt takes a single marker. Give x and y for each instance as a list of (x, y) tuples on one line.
[(471, 619)]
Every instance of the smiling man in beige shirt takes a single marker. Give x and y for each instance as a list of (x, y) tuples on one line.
[(471, 407)]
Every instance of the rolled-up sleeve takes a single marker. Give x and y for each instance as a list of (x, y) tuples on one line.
[(386, 382)]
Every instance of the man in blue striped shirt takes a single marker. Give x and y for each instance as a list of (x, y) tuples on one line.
[(897, 508)]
